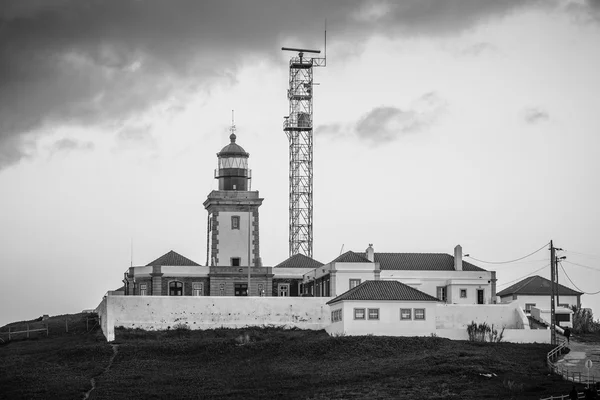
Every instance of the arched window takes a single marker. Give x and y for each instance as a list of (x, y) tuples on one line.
[(175, 288)]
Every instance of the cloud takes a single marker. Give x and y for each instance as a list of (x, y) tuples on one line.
[(535, 115), (385, 124), (92, 62), (478, 48), (68, 144), (329, 129)]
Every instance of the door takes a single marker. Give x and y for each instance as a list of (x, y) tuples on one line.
[(480, 299), (241, 289)]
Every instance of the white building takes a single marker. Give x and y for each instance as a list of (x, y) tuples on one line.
[(448, 278), (535, 292), (388, 308)]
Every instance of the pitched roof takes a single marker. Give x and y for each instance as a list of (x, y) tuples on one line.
[(351, 257), (420, 262), (536, 285), (383, 290), (299, 261), (173, 258)]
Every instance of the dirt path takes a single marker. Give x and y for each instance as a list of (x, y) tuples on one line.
[(115, 348)]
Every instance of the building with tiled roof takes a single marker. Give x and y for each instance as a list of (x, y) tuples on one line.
[(446, 277), (420, 262), (383, 290), (299, 261), (383, 308), (173, 258), (535, 291)]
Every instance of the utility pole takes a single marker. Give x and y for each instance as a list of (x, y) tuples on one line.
[(552, 306)]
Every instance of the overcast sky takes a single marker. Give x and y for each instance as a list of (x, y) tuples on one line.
[(471, 122)]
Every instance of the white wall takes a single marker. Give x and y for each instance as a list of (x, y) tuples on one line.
[(458, 316), (161, 312), (346, 271), (389, 323), (428, 281), (233, 242)]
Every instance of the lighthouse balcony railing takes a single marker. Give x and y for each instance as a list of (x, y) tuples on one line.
[(239, 172)]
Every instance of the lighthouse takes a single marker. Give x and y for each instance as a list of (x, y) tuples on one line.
[(232, 225)]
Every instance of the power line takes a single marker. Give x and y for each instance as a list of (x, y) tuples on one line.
[(581, 265), (511, 261), (576, 287), (525, 276), (582, 254)]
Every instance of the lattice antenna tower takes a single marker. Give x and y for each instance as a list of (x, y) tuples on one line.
[(298, 126)]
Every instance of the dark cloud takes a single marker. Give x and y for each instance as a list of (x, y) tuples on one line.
[(68, 144), (96, 62), (535, 115), (385, 124)]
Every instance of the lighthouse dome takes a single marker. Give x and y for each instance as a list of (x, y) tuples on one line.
[(233, 149)]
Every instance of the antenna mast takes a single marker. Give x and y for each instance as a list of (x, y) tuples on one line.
[(298, 126)]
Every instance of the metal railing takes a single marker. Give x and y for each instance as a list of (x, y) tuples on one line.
[(566, 373)]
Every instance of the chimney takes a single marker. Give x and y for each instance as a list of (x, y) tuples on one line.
[(370, 253), (458, 258)]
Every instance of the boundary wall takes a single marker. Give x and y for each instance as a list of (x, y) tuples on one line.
[(206, 312)]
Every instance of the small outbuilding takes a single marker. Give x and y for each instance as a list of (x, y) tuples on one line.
[(384, 308)]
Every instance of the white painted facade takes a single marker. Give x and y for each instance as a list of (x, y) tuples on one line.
[(539, 301), (389, 322), (454, 281), (234, 242), (340, 274)]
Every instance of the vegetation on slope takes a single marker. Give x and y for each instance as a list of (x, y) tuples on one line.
[(271, 362)]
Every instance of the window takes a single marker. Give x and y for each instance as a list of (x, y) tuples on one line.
[(419, 313), (241, 289), (235, 222), (354, 283), (175, 288), (221, 289), (441, 293), (373, 313), (143, 288), (359, 313), (463, 293), (336, 315), (261, 290), (405, 313), (283, 289), (528, 307), (197, 289), (235, 261)]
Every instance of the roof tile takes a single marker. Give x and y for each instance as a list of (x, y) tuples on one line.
[(536, 285), (383, 290), (299, 261), (173, 258), (351, 257)]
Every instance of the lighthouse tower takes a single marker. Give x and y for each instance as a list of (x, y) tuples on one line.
[(232, 227)]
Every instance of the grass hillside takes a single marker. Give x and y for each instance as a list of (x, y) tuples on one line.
[(269, 363)]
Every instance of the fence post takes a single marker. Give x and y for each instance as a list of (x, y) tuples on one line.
[(86, 324), (9, 333), (27, 331), (66, 325), (46, 329)]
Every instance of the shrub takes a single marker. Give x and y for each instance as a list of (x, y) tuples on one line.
[(243, 339), (583, 320), (483, 332)]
